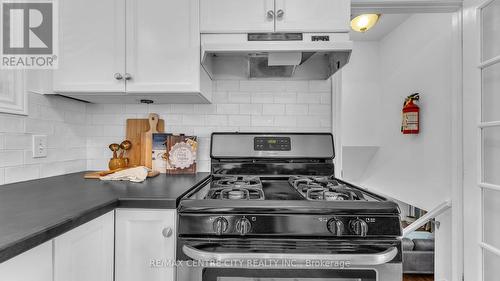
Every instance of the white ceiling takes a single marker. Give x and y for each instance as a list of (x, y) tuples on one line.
[(386, 24)]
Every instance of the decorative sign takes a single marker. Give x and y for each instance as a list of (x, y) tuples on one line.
[(182, 155)]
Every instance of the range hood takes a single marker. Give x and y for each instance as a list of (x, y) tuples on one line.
[(292, 56)]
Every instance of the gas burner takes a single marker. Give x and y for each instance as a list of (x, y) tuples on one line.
[(237, 182), (236, 188), (324, 189)]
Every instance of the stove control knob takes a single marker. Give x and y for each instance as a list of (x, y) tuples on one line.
[(359, 227), (336, 227), (243, 226), (220, 225)]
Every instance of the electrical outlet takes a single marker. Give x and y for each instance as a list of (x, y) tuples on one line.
[(39, 146)]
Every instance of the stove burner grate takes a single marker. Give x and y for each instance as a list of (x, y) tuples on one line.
[(324, 189), (236, 188)]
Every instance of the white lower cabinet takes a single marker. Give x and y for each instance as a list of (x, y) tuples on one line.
[(143, 236), (33, 265), (86, 252)]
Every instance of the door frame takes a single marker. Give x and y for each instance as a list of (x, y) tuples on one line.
[(473, 183), (457, 110)]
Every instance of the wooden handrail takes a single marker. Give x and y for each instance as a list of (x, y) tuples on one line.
[(441, 208)]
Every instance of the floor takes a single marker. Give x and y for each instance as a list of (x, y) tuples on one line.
[(418, 277)]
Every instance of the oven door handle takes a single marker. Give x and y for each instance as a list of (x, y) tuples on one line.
[(299, 259)]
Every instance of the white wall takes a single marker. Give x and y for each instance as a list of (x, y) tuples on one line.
[(415, 57), (255, 105), (362, 96), (62, 120)]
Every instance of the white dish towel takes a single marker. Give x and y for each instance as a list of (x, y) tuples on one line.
[(137, 174)]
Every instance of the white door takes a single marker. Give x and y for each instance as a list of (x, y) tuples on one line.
[(144, 236), (92, 46), (33, 265), (237, 16), (86, 252), (313, 15), (163, 46), (482, 88)]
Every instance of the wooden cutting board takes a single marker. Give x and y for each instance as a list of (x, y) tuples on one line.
[(135, 128), (147, 141), (99, 174)]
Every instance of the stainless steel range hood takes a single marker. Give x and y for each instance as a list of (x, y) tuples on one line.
[(295, 56)]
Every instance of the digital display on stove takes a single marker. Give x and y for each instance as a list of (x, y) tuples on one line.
[(272, 144)]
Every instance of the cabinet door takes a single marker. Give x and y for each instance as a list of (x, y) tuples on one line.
[(13, 98), (143, 236), (230, 16), (33, 265), (313, 15), (92, 46), (86, 252), (163, 46)]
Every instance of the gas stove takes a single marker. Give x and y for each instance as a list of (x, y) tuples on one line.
[(283, 173), (270, 194)]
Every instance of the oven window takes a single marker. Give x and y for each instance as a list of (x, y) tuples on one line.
[(240, 274)]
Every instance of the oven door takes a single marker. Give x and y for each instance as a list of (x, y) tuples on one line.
[(289, 260)]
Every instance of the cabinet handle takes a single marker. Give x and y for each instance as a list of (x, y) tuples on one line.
[(118, 76), (270, 14), (280, 14), (128, 76), (167, 232)]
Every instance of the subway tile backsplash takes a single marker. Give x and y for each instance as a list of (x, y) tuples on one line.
[(64, 123), (79, 133), (237, 106)]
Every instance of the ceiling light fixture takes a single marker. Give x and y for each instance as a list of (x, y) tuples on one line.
[(364, 22)]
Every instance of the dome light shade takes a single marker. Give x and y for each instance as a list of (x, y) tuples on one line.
[(364, 22)]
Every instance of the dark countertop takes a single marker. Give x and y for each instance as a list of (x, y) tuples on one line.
[(36, 211)]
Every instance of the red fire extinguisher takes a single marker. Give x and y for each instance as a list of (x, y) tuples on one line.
[(411, 115)]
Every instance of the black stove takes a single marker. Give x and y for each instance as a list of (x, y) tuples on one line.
[(275, 195), (271, 175)]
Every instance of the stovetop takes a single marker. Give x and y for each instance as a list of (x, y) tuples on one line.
[(314, 188), (286, 195)]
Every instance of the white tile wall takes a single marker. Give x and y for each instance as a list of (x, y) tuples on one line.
[(62, 120), (79, 133), (237, 106)]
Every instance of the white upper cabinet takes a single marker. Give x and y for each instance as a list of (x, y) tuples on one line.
[(143, 236), (163, 46), (127, 50), (92, 46), (237, 16), (313, 15), (33, 265), (86, 252), (243, 16)]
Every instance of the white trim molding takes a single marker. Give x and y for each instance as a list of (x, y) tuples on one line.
[(403, 7), (337, 121)]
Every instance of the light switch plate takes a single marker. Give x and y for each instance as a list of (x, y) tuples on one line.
[(39, 146)]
